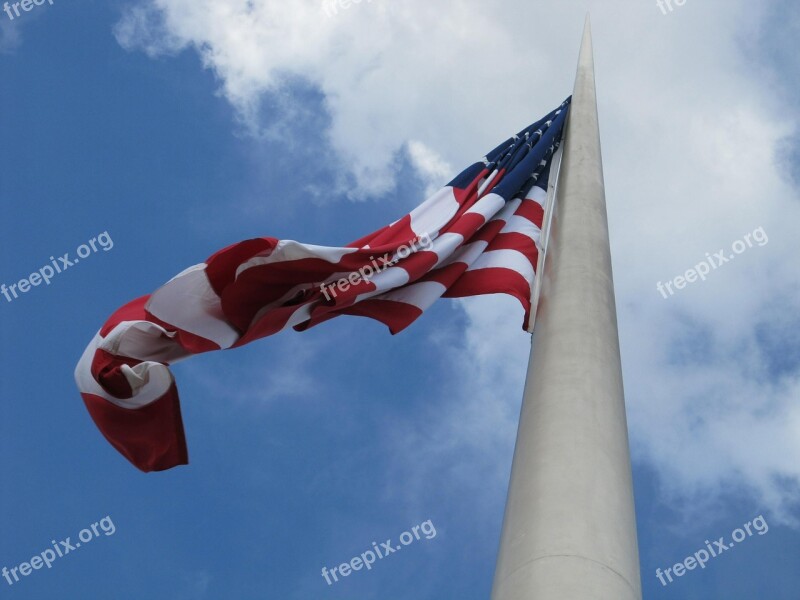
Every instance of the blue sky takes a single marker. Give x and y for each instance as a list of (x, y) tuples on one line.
[(153, 124)]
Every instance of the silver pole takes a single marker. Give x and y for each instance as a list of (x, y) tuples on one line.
[(569, 531)]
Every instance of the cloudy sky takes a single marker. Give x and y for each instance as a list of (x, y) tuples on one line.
[(181, 126)]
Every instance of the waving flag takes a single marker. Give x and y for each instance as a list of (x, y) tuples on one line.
[(480, 234)]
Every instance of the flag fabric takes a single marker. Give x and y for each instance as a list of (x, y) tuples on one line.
[(480, 234)]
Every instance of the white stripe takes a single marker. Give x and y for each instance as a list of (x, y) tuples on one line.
[(506, 259), (143, 340), (538, 195), (152, 380), (506, 211), (188, 302), (389, 279), (433, 214), (385, 281), (488, 206), (467, 254), (422, 294), (521, 225), (288, 250), (487, 182), (445, 245)]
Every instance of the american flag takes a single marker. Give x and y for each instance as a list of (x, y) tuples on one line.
[(480, 234)]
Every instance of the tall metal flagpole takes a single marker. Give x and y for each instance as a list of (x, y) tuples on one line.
[(569, 531)]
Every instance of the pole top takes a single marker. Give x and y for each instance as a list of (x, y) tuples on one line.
[(586, 56)]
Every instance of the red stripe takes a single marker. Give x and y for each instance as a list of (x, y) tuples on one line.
[(107, 371), (492, 280), (531, 210), (271, 323), (132, 311), (392, 235), (395, 315), (191, 342), (221, 266), (468, 225), (516, 241), (151, 437)]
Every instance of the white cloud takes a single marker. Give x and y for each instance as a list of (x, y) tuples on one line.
[(689, 136), (432, 168), (143, 28), (10, 38)]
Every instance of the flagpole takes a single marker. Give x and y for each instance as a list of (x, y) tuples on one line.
[(569, 531)]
